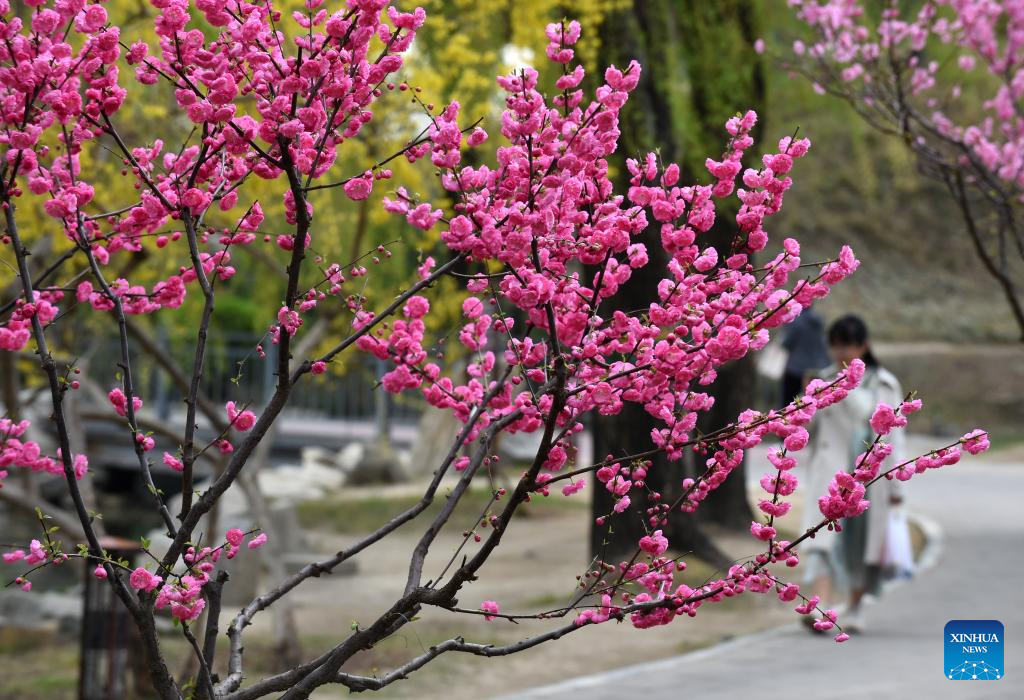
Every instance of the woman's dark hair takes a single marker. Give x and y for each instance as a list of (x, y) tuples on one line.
[(851, 330)]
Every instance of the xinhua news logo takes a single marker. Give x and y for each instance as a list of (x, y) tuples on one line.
[(974, 650)]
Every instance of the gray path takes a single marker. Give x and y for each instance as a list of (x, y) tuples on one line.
[(979, 575)]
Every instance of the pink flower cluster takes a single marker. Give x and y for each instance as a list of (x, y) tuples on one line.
[(38, 555), (120, 402), (17, 329), (310, 93), (862, 46), (240, 420), (184, 596), (14, 451), (655, 606), (550, 205)]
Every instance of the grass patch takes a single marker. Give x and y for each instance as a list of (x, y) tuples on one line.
[(30, 675), (49, 684), (686, 646), (346, 515), (14, 640), (1005, 440), (547, 601)]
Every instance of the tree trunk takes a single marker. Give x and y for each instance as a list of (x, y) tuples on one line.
[(699, 68)]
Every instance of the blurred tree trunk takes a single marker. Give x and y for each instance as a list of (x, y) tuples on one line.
[(699, 68), (726, 76)]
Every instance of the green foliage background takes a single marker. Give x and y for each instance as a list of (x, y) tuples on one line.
[(855, 186)]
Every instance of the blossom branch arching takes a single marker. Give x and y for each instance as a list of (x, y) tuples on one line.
[(277, 98)]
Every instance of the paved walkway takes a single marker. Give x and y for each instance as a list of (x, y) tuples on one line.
[(980, 507)]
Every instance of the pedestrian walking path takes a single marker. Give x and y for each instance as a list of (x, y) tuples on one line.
[(978, 574)]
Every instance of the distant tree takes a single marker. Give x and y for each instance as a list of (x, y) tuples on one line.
[(911, 70)]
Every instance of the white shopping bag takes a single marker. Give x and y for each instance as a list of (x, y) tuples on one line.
[(771, 361), (899, 555)]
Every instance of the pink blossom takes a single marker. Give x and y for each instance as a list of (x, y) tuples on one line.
[(143, 580), (476, 137), (36, 553), (783, 484), (908, 407), (808, 606), (186, 612), (240, 420), (234, 536), (489, 606), (654, 544), (762, 532), (92, 18), (827, 621), (416, 307), (780, 460), (472, 307), (289, 320), (574, 487), (845, 498), (173, 462), (885, 419), (797, 440), (423, 217), (425, 269), (789, 592), (359, 188), (80, 466), (120, 401), (774, 509), (846, 265), (16, 555), (545, 239), (976, 441)]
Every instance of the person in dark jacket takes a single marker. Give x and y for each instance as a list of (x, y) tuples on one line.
[(804, 340)]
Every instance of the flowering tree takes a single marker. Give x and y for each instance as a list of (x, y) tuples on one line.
[(275, 98), (913, 74)]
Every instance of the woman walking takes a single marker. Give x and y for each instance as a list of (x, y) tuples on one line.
[(851, 561)]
